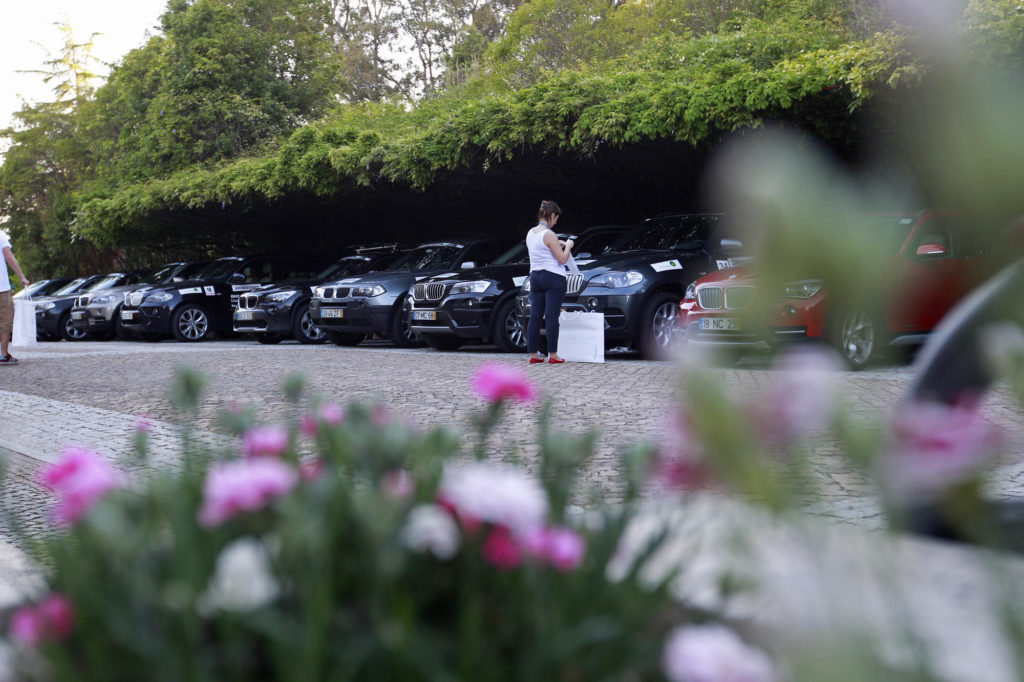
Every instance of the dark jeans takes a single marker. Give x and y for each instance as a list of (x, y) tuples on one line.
[(546, 293)]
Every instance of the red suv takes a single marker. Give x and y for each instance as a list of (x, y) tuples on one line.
[(935, 264)]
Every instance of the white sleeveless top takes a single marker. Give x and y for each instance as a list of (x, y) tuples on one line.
[(541, 257)]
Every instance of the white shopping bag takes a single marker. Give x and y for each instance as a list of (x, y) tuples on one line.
[(24, 322), (581, 336)]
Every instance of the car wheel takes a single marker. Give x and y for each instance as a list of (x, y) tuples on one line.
[(68, 331), (858, 336), (509, 333), (305, 330), (443, 342), (658, 325), (119, 331), (400, 330), (190, 323), (339, 339), (268, 339)]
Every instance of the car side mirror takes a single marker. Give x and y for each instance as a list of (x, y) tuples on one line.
[(237, 278), (585, 254), (468, 265), (731, 247), (931, 251)]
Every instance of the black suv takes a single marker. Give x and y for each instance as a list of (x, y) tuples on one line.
[(53, 313), (191, 310), (638, 284), (98, 314), (274, 313), (449, 310), (349, 309)]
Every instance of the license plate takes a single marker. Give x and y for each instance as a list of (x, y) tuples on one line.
[(424, 314), (244, 315), (332, 312), (127, 314), (730, 324), (77, 316)]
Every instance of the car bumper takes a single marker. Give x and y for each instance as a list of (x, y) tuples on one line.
[(351, 317), (469, 317), (148, 319), (789, 320), (262, 320), (93, 320), (47, 323)]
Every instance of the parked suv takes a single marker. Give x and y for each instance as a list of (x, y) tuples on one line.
[(98, 314), (638, 283), (44, 287), (349, 309), (192, 310), (451, 309), (276, 312), (53, 313), (934, 263)]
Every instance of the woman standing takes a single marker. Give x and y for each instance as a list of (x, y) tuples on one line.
[(547, 281)]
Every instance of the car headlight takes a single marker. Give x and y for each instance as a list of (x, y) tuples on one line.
[(617, 280), (804, 288), (280, 296), (368, 292), (106, 298), (159, 297), (318, 292), (477, 287), (45, 306), (691, 292)]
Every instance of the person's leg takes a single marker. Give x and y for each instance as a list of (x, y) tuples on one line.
[(554, 295), (6, 322), (536, 314)]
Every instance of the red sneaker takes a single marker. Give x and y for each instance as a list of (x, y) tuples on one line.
[(8, 360)]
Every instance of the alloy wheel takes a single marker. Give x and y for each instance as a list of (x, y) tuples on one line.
[(663, 325), (193, 324), (514, 329), (857, 339), (73, 332), (309, 328)]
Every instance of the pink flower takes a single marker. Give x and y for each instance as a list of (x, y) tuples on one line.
[(265, 441), (496, 382), (713, 653), (143, 425), (933, 447), (397, 484), (332, 413), (499, 495), (562, 547), (80, 477), (307, 426), (311, 468), (243, 485), (501, 549), (53, 619), (680, 462)]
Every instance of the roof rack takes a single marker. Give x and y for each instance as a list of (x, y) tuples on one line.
[(378, 248)]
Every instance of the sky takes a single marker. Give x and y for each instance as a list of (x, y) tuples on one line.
[(27, 31)]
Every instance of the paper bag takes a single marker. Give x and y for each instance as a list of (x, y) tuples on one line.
[(24, 322), (581, 336)]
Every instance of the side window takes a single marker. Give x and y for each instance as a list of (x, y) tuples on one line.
[(257, 272), (932, 241)]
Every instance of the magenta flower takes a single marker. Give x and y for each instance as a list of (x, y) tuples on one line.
[(332, 413), (143, 425), (311, 468), (265, 441), (243, 485), (51, 620), (561, 547), (713, 653), (496, 382), (81, 477), (397, 484), (933, 447), (680, 461), (501, 549), (307, 426)]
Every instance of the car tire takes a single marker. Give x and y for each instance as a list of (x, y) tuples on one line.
[(340, 339), (304, 328), (400, 328), (657, 325), (443, 341), (68, 331), (509, 334), (120, 332), (857, 335), (268, 339), (190, 323)]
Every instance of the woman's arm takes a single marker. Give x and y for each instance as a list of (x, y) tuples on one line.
[(561, 253), (13, 262)]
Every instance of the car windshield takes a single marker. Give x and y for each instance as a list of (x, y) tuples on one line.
[(430, 256), (71, 287), (890, 232), (38, 287), (595, 242), (517, 254), (108, 282), (219, 268), (160, 276), (346, 267), (674, 233), (191, 270)]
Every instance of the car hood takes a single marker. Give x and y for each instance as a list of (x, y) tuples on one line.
[(384, 278), (646, 262), (736, 275), (495, 272)]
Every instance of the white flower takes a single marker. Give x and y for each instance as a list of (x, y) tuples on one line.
[(431, 528), (242, 581), (494, 494), (713, 653)]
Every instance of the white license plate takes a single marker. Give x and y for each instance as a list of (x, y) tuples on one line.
[(424, 314), (332, 312), (127, 314), (77, 316), (730, 324), (244, 315)]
